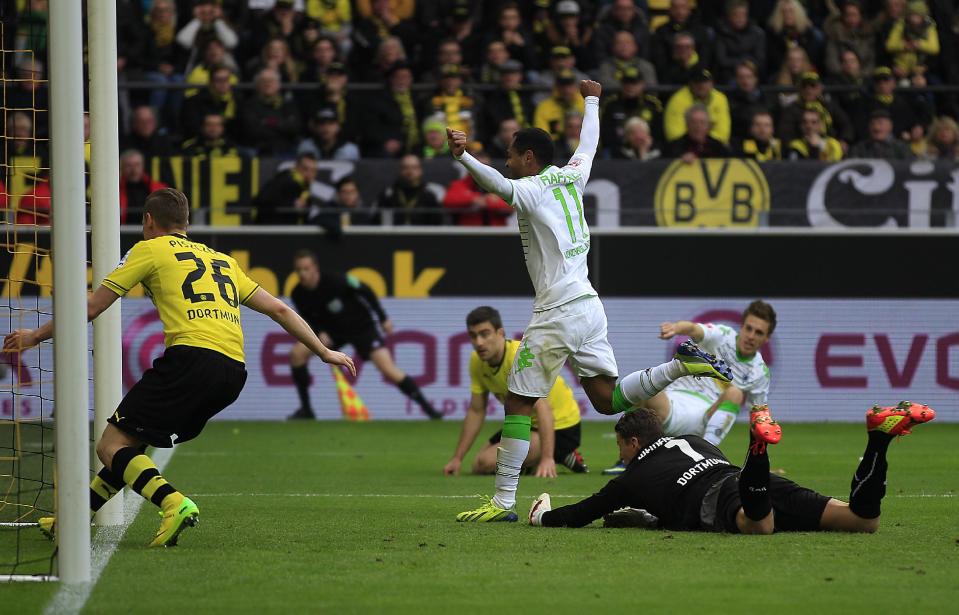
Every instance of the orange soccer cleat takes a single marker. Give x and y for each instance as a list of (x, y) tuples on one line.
[(898, 420), (763, 428)]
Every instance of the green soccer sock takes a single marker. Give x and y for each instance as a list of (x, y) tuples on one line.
[(620, 403), (513, 448)]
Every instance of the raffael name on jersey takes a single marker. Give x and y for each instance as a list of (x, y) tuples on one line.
[(699, 467), (553, 178), (213, 314)]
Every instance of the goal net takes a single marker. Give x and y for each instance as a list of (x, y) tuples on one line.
[(27, 455)]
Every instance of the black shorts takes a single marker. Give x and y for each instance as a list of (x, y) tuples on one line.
[(795, 508), (364, 342), (177, 396), (567, 441)]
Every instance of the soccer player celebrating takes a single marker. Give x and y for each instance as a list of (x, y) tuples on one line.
[(687, 483), (197, 292), (704, 407), (569, 321), (343, 310), (555, 433)]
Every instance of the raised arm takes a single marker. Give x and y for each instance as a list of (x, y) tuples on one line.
[(487, 177), (589, 133)]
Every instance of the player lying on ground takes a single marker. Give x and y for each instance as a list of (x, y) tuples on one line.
[(197, 292), (569, 321), (703, 406), (342, 310), (555, 434), (688, 484)]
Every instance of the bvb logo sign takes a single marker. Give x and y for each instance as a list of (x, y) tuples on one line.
[(712, 192)]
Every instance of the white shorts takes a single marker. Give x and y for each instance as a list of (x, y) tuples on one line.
[(575, 331), (687, 413)]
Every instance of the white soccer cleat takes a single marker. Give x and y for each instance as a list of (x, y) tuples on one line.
[(540, 506)]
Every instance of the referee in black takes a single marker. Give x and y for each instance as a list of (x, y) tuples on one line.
[(342, 310)]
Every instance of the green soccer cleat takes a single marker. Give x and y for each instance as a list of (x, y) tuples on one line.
[(48, 526), (701, 364), (487, 513), (175, 521)]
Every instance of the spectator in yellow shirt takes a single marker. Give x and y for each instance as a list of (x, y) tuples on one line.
[(700, 90), (912, 40), (814, 144), (550, 115)]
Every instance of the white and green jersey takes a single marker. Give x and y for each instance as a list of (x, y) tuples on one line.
[(750, 374), (552, 223), (552, 226)]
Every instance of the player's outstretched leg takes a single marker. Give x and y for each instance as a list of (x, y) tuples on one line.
[(754, 477), (689, 360), (141, 474), (409, 388), (882, 424), (383, 361), (104, 486)]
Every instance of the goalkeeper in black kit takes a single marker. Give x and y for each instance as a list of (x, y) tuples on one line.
[(342, 310), (686, 483)]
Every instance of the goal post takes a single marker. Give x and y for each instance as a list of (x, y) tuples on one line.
[(72, 425), (104, 221)]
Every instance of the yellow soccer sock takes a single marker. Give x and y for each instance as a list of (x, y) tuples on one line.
[(142, 475), (104, 486)]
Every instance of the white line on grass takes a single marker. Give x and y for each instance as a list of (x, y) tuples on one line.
[(456, 497), (70, 599)]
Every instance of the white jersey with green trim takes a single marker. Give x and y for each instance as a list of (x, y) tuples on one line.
[(552, 226), (750, 374), (552, 223)]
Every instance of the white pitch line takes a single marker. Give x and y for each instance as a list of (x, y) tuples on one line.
[(70, 599), (454, 497)]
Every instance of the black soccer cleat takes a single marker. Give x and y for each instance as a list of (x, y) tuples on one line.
[(302, 414), (433, 413), (575, 462)]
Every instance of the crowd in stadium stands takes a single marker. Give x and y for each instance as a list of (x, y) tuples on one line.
[(681, 81)]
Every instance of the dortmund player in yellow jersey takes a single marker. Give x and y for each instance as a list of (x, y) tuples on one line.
[(556, 423), (198, 292)]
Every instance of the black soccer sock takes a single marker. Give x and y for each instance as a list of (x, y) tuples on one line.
[(412, 391), (301, 378), (869, 482), (754, 483), (104, 486), (142, 475)]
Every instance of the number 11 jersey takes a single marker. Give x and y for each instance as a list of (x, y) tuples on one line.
[(552, 225), (196, 290)]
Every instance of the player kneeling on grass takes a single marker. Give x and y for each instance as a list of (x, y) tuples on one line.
[(197, 292), (555, 432), (688, 484)]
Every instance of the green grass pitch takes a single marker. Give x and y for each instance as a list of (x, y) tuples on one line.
[(339, 518)]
